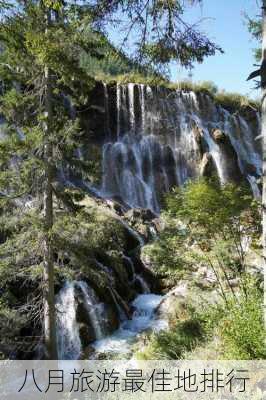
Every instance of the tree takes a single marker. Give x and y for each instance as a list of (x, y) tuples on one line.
[(48, 262), (39, 68), (263, 133), (259, 31)]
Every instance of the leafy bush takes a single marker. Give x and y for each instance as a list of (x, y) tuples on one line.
[(166, 253), (242, 329), (217, 219)]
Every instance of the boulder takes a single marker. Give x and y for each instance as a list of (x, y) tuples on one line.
[(229, 158), (234, 283), (158, 224), (207, 166), (199, 137), (218, 135), (173, 306), (87, 335)]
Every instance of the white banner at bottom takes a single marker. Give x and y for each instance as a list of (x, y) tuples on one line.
[(132, 379)]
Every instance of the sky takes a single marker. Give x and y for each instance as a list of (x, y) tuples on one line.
[(224, 23)]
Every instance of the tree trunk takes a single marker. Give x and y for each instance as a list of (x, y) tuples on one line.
[(49, 297), (263, 133)]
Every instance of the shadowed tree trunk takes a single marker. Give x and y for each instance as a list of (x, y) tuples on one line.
[(263, 133), (49, 297)]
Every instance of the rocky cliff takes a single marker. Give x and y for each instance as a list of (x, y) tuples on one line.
[(152, 138)]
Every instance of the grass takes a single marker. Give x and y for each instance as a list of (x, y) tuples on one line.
[(171, 345), (232, 332), (228, 100)]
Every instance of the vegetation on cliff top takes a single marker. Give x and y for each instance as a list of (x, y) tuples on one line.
[(116, 67)]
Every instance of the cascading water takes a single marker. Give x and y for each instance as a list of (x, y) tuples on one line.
[(143, 284), (94, 308), (68, 337), (160, 139), (133, 277), (121, 341), (161, 135), (106, 106)]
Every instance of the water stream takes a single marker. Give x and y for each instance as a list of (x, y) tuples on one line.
[(121, 341)]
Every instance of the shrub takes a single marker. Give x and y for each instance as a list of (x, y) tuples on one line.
[(242, 329), (217, 219), (234, 101)]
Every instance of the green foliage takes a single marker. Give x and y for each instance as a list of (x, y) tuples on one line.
[(205, 203), (173, 344), (242, 328), (239, 328), (255, 29), (167, 254), (234, 101), (205, 225)]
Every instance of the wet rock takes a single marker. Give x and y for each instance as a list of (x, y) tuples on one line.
[(207, 166), (250, 169), (170, 168), (229, 157), (87, 335), (119, 303), (113, 321), (199, 137), (234, 283), (88, 353), (218, 135), (140, 215), (118, 208), (158, 224), (173, 306)]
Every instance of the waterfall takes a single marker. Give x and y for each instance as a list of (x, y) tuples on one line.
[(94, 308), (143, 318), (118, 108), (143, 284), (130, 268), (68, 329), (107, 112), (254, 186), (142, 106), (161, 137), (68, 339), (131, 106), (133, 277)]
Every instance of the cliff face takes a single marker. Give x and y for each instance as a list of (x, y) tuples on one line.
[(141, 140), (152, 138)]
